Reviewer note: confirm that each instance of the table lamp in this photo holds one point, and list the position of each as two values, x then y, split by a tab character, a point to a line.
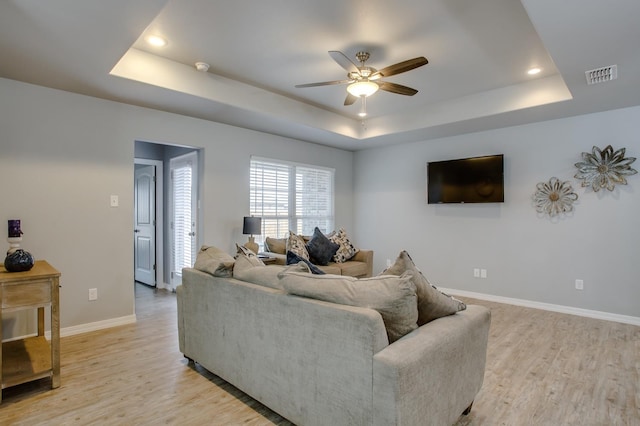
252	226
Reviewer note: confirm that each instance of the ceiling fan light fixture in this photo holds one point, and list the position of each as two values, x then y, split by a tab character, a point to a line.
363	88
363	108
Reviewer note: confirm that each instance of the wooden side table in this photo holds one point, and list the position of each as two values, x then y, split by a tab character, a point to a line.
31	358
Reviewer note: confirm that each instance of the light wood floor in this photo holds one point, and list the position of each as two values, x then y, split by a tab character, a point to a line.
543	368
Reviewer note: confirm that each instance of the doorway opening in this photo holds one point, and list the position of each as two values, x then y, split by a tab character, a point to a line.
166	209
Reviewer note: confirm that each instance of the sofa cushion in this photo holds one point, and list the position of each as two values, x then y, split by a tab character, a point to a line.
266	275
276	245
214	261
353	268
393	297
432	303
293	258
332	268
297	245
320	248
346	250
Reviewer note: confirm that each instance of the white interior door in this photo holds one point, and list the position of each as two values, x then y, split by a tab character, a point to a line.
184	209
145	224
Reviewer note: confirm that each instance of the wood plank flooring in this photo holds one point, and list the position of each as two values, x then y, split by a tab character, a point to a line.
543	368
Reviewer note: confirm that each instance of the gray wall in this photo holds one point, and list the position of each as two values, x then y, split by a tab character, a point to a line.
527	256
61	157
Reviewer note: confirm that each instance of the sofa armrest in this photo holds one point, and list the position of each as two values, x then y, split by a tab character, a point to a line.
433	372
365	256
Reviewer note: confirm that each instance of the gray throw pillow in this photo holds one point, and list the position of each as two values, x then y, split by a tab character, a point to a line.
432	303
393	297
214	261
293	259
321	249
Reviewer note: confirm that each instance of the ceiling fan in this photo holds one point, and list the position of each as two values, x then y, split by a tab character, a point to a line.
365	80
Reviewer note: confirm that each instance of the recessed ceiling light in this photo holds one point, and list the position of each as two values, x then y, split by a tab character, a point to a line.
156	41
534	71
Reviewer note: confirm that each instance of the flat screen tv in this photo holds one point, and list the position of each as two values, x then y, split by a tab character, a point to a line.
466	180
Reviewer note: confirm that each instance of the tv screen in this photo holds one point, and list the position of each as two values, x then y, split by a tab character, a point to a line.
466	180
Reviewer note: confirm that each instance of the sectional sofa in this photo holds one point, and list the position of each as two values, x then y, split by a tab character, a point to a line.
320	363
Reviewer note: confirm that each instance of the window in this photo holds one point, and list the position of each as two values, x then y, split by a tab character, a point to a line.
290	196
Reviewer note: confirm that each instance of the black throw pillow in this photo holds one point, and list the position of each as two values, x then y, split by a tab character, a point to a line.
321	249
293	258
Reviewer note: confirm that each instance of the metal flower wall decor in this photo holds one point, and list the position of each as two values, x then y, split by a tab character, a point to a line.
554	197
604	168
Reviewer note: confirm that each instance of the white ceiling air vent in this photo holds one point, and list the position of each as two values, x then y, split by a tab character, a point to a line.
600	75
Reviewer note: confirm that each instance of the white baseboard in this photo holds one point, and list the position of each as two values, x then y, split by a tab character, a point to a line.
94	326
607	316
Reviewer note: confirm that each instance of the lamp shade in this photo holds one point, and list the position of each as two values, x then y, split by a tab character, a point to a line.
363	88
252	225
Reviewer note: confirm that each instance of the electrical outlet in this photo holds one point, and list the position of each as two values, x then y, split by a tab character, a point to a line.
579	285
476	272
93	294
483	273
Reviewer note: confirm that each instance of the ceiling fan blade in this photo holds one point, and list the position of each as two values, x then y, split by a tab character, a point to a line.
344	61
323	83
397	88
404	66
350	99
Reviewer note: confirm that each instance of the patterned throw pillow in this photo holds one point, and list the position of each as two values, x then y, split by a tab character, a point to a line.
296	245
432	303
250	256
321	249
346	250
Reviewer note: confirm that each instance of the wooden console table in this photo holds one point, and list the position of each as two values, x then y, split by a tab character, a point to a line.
32	358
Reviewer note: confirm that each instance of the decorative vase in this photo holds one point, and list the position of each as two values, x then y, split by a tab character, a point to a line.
18	261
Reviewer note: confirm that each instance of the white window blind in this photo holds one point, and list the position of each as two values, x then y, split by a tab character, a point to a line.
182	221
291	196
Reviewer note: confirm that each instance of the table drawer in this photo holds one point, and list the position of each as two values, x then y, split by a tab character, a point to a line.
26	294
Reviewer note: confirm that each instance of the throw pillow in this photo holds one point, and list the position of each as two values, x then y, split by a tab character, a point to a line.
320	248
276	245
432	303
214	261
346	250
296	244
393	297
293	259
250	256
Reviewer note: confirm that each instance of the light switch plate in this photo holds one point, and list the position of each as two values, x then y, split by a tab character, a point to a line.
114	201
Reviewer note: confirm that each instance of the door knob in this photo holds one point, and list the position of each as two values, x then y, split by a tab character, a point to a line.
136	230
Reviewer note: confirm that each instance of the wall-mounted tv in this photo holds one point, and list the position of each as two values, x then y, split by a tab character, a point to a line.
466	180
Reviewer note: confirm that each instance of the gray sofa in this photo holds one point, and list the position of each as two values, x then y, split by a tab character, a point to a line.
320	363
